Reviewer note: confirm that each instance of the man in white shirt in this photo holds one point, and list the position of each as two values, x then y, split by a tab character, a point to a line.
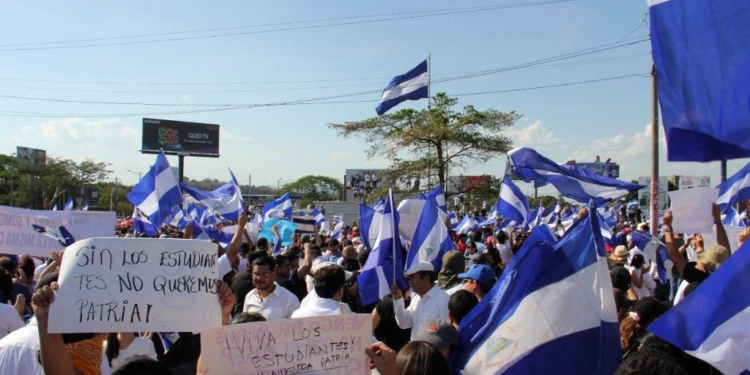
268	298
328	290
430	302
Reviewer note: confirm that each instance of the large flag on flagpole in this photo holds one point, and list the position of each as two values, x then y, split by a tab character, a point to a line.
157	192
550	312
713	322
385	263
413	85
571	181
700	49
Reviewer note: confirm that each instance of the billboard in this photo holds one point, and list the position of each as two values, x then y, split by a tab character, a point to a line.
644	195
465	184
31	156
180	138
611	170
689	182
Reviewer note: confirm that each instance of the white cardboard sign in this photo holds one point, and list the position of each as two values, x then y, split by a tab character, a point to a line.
692	209
137	285
17	236
332	344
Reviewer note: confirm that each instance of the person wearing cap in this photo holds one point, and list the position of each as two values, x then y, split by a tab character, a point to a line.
454	263
479	280
440	333
619	274
429	302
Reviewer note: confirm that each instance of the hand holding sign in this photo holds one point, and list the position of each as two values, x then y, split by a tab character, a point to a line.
137	284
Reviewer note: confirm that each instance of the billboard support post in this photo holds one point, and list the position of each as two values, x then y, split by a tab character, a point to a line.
181	166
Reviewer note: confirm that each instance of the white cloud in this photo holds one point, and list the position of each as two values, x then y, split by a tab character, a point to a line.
535	136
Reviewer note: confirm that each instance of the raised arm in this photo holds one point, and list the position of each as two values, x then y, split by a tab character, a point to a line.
678	260
234	246
721	234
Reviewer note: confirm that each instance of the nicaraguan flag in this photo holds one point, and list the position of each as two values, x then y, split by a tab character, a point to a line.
431	239
319	217
280	208
438	195
199	232
379	205
85	208
385	263
369	224
702	59
54	208
713	322
512	204
157	192
550	312
337	229
732	218
654	250
142	224
68	205
453	217
60	234
413	85
226	200
735	189
467	224
549	212
572	182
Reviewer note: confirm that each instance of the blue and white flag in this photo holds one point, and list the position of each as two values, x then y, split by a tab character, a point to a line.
85	208
54	208
413	85
280	208
69	204
379	205
732	218
385	263
320	219
632	205
549	213
654	251
467	224
177	218
369	225
61	234
712	322
701	56
157	192
735	189
576	183
552	296
431	239
226	200
512	204
438	195
199	233
305	222
453	217
142	224
337	229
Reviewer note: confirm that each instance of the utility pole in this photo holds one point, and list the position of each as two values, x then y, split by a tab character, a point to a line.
654	225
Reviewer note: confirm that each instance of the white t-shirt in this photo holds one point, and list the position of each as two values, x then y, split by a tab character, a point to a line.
279	304
139	346
505	252
648	283
9	320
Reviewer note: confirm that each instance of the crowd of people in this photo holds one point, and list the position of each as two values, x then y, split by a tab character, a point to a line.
415	330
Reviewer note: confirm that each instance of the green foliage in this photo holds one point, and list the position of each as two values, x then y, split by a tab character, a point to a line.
433	142
314	189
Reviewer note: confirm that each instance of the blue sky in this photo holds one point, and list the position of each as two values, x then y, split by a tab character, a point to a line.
609	118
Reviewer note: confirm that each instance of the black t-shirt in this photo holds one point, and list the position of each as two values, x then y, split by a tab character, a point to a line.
388	330
620	277
242	284
284	282
691	274
299	286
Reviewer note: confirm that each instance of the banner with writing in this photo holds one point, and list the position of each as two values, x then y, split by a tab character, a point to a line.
18	236
137	285
332	344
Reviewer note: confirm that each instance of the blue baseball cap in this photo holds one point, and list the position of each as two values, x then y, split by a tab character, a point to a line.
481	273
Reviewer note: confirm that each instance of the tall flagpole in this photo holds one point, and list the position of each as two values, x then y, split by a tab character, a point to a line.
429	117
654	225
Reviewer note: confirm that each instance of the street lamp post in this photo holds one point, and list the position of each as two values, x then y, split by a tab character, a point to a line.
278	184
139	174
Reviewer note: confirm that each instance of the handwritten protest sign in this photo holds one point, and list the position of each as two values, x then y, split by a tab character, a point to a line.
692	209
17	236
321	345
137	284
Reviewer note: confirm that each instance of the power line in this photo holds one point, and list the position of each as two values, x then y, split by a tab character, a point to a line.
307	102
309	27
245	26
540	67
